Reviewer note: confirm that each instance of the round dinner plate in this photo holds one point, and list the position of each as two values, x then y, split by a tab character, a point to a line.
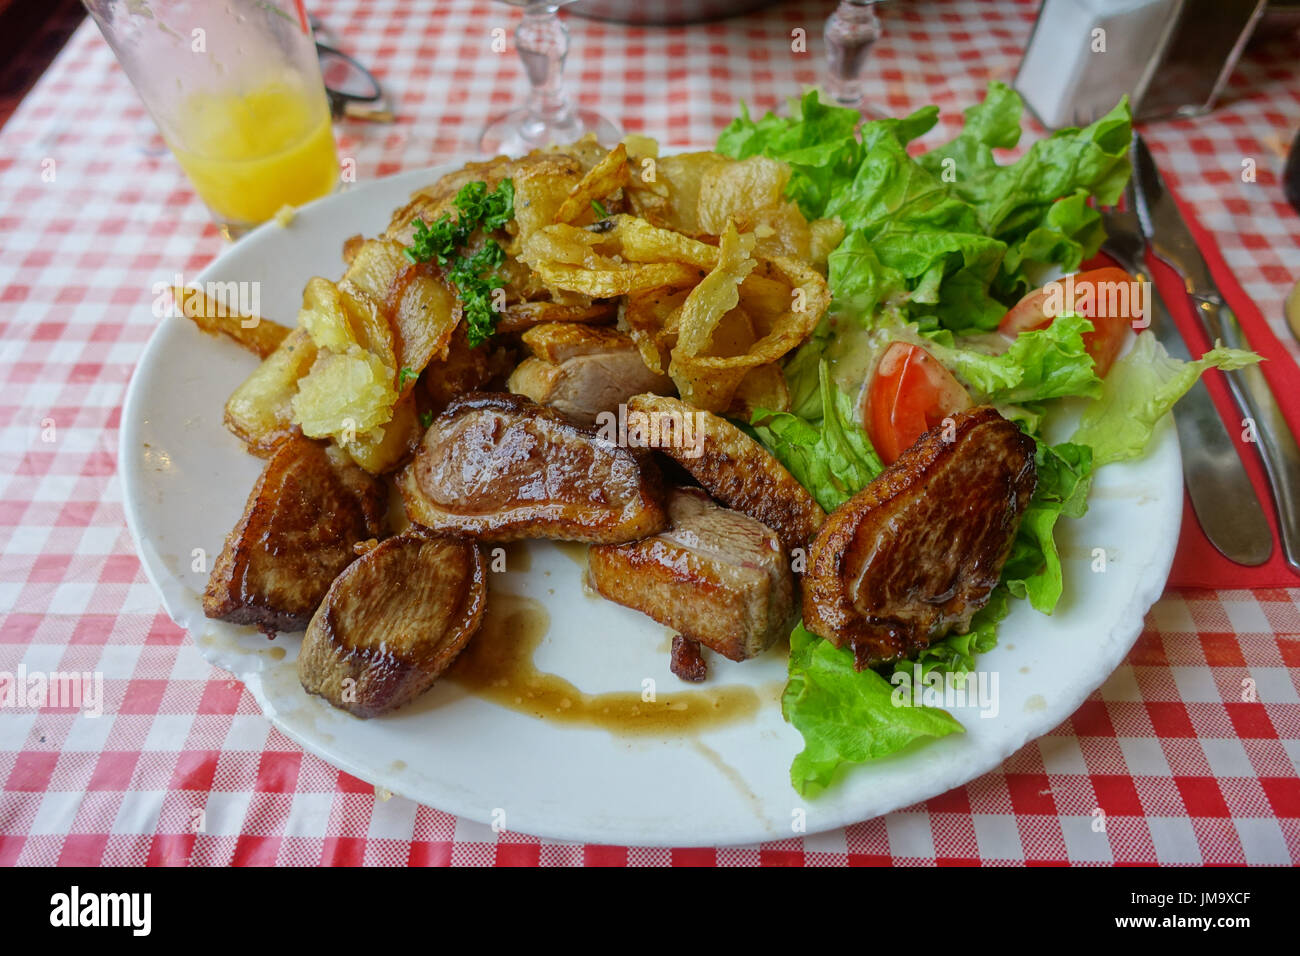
186	480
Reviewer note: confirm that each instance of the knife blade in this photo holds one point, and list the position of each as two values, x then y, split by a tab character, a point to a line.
1211	466
1171	240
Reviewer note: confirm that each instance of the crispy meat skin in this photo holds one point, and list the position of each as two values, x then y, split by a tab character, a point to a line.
499	467
393	621
686	662
716	576
303	516
738	471
582	370
918	551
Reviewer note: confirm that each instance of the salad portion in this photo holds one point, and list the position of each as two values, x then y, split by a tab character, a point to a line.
941	301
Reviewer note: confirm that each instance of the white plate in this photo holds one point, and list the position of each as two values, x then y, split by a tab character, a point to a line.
186	480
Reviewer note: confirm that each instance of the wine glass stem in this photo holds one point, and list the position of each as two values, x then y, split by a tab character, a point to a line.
543	41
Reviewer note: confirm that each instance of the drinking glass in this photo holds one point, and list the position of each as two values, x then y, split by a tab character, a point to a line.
236	91
851	31
548	116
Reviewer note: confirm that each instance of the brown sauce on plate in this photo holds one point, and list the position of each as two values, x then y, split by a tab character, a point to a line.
498	666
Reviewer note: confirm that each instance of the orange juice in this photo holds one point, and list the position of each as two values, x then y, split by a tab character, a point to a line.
248	154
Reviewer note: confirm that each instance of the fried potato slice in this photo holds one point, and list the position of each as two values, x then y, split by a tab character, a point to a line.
259	412
382	449
652	319
702	313
424	311
602	180
541	188
684	176
762	387
709	380
739	192
260	336
622	256
344	395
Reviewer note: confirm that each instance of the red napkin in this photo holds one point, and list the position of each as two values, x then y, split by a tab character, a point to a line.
1197	563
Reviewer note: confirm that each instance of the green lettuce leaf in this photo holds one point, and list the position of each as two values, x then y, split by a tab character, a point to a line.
831	456
1039	365
1033	570
846	716
951	237
956	652
1140	390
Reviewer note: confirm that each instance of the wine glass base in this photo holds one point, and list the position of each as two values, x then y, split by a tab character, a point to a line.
523	130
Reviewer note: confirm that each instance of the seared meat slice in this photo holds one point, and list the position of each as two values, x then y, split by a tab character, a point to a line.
716	576
917	552
499	467
306	511
393	622
583	370
732	467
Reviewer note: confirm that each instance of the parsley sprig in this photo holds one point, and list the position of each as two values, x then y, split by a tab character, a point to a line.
474	276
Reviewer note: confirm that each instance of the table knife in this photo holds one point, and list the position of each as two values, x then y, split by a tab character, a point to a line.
1212	468
1172	242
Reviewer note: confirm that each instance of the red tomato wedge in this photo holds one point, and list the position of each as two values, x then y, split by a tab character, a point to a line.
1108	297
910	393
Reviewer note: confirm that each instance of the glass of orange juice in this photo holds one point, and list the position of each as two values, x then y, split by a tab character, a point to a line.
235	88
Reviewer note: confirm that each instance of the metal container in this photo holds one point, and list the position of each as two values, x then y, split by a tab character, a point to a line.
1171	57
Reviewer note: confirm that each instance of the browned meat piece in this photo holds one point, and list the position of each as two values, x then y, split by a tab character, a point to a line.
716	576
917	552
393	622
732	467
308	509
499	467
583	370
523	315
462	369
686	662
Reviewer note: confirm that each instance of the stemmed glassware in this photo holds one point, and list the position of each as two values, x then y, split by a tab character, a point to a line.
548	116
851	31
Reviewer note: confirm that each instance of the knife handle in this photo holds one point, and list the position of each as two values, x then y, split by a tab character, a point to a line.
1276	443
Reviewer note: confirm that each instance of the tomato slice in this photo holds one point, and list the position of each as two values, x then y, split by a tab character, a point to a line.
910	393
1108	297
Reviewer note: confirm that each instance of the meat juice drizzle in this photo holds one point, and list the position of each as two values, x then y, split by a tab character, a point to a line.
498	666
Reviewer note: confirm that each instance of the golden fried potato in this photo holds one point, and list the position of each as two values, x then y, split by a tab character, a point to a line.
582	260
710	380
762	387
717	294
652	318
382	449
425	311
541	187
684	175
260	336
344	395
602	181
739	192
259	412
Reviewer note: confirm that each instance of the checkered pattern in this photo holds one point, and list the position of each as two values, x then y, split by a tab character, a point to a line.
1188	753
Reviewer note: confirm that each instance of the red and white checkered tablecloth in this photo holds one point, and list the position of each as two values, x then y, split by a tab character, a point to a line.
1185	769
